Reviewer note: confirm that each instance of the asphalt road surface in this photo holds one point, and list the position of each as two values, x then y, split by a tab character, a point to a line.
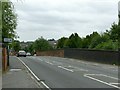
58	72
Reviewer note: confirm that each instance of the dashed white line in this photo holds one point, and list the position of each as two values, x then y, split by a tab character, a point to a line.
77	68
49	62
66	68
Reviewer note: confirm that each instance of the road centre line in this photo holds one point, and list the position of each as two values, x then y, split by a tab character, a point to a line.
49	62
78	69
39	59
33	74
66	69
88	76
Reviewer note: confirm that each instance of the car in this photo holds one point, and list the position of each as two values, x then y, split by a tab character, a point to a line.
21	53
28	54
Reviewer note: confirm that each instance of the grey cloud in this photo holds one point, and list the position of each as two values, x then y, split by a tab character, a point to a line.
61	18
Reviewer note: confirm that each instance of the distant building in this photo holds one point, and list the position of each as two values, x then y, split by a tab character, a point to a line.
25	44
53	43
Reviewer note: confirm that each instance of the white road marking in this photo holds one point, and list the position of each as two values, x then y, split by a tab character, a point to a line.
102	75
90	76
35	58
45	85
49	62
66	68
29	69
15	70
78	69
34	74
40	59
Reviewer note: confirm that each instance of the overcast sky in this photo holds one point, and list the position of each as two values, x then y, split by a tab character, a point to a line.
58	18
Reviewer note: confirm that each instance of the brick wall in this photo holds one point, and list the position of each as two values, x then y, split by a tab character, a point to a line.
57	53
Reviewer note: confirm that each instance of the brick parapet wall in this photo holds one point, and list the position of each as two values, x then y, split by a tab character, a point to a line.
57	53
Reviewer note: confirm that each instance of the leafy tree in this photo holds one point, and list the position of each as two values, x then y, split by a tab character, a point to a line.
86	41
9	20
94	39
109	45
30	48
41	44
61	42
16	45
114	32
74	41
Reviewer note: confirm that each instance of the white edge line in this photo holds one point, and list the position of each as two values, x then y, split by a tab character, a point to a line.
34	74
66	69
45	85
86	75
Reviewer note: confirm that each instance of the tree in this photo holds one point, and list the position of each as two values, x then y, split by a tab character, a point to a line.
41	44
114	32
29	48
16	45
108	45
74	41
86	41
9	20
61	42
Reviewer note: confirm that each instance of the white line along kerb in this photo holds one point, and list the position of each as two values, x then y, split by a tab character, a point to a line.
33	74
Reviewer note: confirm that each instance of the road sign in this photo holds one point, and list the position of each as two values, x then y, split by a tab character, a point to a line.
9	40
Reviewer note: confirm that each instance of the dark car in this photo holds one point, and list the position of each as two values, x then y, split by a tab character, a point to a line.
21	53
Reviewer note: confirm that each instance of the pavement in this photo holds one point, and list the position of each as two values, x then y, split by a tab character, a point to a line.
18	76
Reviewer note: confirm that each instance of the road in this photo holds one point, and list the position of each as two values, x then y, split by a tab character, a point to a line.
58	72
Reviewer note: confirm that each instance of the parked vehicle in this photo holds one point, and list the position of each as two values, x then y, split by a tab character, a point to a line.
21	53
28	54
